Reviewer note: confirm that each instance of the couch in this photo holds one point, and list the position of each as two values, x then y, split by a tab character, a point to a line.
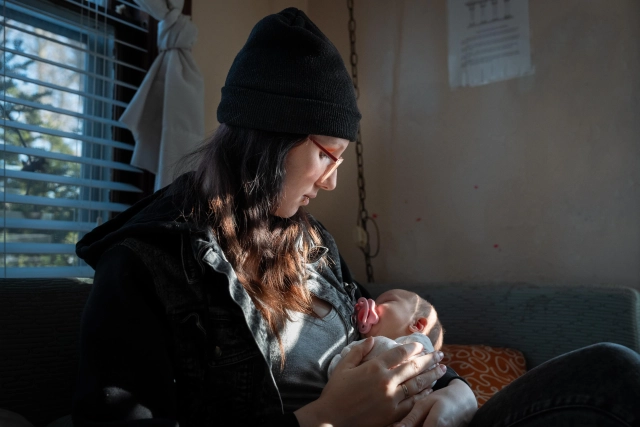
542	321
39	326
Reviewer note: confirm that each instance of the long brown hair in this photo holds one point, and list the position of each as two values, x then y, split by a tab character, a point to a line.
240	173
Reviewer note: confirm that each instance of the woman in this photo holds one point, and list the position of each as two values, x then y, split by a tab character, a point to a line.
218	298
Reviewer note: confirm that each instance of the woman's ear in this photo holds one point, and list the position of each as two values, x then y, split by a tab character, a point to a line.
419	325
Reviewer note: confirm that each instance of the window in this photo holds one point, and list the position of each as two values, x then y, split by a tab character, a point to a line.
65	78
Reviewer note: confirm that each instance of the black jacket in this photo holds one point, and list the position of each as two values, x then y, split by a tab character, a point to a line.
169	335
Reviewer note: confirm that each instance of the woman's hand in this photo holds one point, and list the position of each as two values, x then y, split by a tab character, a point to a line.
453	405
371	393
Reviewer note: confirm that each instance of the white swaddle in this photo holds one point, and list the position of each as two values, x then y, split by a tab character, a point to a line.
382	344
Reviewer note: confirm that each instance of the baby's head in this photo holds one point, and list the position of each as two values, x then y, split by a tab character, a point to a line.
403	313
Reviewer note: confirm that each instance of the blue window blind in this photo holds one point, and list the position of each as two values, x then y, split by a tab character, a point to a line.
59	72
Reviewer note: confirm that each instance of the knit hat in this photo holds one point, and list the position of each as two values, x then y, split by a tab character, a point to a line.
290	78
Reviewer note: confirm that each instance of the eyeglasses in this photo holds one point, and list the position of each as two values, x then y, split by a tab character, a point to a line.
332	167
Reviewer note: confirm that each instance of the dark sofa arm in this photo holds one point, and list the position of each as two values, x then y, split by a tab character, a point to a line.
39	331
542	321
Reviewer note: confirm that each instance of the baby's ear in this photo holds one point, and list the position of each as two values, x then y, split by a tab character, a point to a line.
419	325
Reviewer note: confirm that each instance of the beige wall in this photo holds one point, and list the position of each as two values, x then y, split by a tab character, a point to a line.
555	156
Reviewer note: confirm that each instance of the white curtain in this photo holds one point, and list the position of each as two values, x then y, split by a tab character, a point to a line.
166	116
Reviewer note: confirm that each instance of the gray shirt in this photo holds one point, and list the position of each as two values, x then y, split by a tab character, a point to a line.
310	343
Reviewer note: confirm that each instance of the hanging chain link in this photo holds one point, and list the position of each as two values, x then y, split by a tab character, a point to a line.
363	215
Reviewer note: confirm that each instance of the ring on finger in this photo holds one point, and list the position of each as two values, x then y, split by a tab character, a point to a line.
405	390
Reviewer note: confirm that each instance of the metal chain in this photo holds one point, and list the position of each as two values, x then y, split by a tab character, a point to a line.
363	215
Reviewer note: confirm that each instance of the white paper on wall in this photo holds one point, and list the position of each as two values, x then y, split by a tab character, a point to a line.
488	41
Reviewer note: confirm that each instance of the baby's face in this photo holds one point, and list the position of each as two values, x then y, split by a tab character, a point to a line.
395	308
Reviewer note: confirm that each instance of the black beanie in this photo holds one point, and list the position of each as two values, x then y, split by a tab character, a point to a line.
290	78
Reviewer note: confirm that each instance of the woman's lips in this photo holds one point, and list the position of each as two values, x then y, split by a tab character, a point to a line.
306	198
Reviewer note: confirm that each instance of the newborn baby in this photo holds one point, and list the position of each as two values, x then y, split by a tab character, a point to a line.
396	317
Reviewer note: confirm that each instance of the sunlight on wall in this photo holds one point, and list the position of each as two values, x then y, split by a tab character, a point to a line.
532	179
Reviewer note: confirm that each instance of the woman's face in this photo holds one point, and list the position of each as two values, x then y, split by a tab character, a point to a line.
304	166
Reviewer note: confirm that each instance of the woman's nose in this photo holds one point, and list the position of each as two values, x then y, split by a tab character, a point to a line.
330	182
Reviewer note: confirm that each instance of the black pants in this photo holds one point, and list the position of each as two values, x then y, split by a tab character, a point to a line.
597	385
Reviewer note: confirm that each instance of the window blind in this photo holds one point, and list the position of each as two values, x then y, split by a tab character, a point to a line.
61	69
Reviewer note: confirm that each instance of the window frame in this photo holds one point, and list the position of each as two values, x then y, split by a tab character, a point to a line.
125	55
146	180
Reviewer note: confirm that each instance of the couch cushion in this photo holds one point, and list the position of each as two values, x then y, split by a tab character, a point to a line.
486	369
542	321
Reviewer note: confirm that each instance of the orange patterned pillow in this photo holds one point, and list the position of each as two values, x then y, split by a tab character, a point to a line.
486	369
